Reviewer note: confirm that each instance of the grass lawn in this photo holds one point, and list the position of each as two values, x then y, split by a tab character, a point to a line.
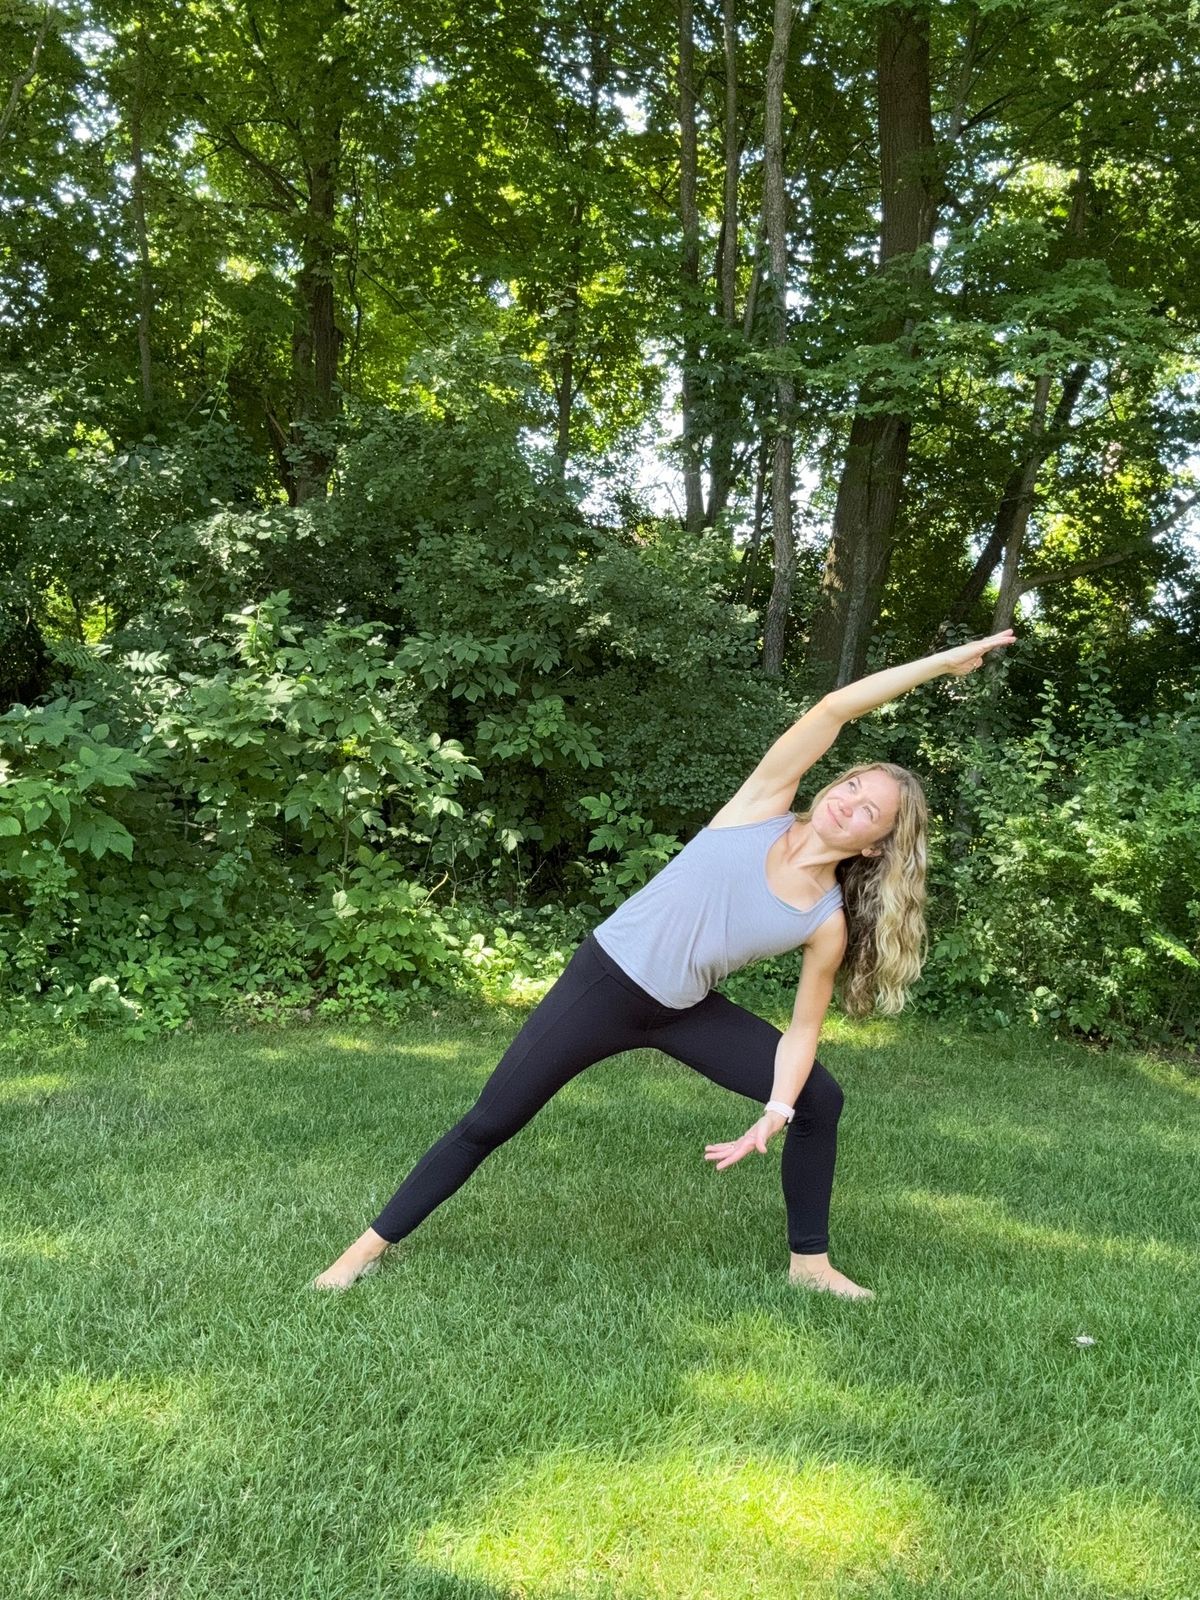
587	1375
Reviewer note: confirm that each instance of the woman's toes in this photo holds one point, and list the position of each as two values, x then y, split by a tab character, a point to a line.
342	1274
831	1282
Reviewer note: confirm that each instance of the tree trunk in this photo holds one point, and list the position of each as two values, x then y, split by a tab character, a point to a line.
750	560
775	213
565	387
280	446
316	338
569	379
724	431
564	391
25	77
729	232
1010	580
138	194
876	460
689	274
1043	443
1006	600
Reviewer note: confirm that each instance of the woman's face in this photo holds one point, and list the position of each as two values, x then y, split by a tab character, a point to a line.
858	812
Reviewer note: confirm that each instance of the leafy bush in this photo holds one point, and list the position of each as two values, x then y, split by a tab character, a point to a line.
1077	902
272	811
640	851
269	787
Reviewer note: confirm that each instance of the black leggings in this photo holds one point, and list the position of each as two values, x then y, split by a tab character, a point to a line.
595	1010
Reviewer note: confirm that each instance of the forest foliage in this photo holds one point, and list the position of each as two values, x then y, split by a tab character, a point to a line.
350	652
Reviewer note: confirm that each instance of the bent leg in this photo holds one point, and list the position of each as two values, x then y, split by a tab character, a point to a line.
584	1018
733	1047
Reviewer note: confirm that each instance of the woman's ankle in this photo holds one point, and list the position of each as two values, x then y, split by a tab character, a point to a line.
804	1261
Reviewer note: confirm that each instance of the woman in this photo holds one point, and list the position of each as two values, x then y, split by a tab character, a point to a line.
845	880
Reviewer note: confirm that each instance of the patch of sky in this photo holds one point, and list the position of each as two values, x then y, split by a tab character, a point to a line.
412	86
632	110
32	287
647	467
69	193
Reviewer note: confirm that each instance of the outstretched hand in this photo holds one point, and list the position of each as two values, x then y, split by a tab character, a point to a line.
964	658
754	1138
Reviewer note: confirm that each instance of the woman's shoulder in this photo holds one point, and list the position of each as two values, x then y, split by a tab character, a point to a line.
828	940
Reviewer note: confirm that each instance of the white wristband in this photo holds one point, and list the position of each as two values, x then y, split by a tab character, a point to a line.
786	1112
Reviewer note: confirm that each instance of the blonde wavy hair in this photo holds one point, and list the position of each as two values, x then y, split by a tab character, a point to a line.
884	899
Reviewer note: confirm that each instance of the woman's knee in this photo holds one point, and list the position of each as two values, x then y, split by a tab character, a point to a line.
486	1128
820	1104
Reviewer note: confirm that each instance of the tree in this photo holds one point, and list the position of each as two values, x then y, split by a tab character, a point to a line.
876	456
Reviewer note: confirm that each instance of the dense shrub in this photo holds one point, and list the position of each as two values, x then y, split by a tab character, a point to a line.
549	646
481	721
1077	899
260	795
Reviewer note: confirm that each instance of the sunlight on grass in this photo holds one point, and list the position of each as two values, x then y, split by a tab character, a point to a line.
33	1086
753	1376
761	1394
352	1043
1166	1075
689	1524
982	1134
875	1033
98	1405
38	1244
436	1052
991	1220
1121	1545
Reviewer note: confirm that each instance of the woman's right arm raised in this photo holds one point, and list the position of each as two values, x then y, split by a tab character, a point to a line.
771	788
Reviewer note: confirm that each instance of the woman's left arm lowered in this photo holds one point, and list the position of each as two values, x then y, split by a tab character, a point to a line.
797	1048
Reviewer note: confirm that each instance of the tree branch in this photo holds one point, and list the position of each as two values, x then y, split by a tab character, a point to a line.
292	197
1146	543
24	79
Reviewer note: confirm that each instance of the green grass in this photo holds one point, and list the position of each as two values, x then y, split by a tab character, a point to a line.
586	1375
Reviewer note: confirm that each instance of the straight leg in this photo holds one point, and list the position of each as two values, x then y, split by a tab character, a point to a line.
584	1018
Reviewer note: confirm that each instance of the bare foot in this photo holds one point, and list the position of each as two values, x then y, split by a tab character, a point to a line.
363	1256
815	1272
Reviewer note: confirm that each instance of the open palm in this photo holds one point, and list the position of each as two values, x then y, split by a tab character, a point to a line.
965	658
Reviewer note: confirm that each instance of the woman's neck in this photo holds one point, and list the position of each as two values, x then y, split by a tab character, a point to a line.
808	852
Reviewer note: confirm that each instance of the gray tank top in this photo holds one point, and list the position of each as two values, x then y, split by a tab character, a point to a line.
707	913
